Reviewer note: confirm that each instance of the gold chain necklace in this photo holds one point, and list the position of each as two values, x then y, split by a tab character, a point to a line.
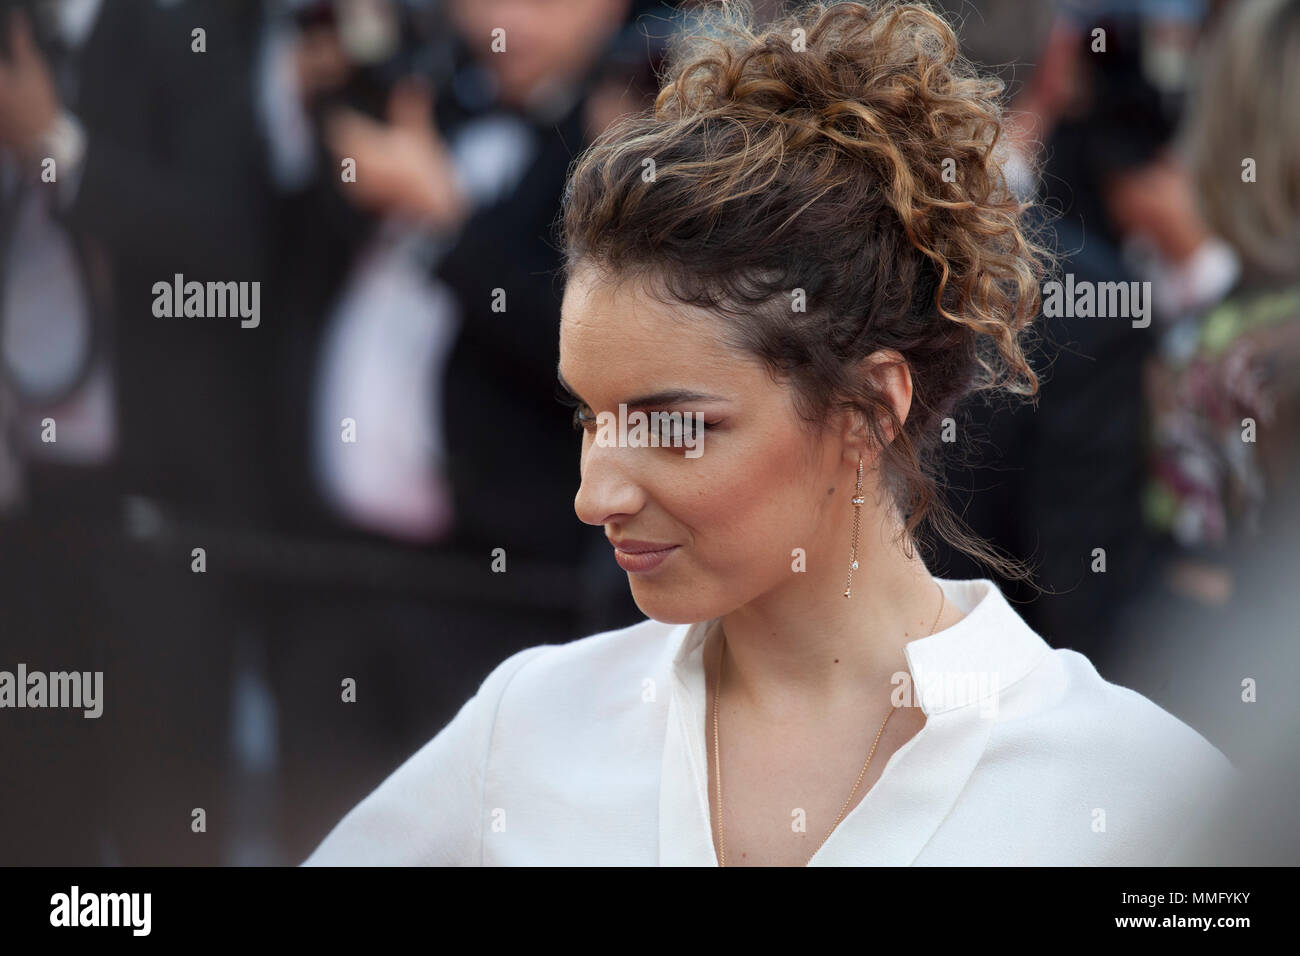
717	762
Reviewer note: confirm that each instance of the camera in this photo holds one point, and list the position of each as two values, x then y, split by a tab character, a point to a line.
384	41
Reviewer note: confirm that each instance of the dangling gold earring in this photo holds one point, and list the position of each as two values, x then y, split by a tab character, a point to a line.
909	550
858	500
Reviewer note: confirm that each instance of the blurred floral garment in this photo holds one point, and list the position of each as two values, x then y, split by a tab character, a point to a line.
1223	417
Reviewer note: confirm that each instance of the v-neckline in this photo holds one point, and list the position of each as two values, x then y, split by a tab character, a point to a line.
892	822
889	825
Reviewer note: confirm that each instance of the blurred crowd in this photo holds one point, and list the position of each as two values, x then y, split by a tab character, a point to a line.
231	521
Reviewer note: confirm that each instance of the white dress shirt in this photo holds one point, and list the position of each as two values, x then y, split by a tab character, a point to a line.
593	753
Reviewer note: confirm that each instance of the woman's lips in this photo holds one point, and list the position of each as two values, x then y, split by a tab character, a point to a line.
641	555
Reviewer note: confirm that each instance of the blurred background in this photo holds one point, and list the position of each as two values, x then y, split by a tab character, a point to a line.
335	464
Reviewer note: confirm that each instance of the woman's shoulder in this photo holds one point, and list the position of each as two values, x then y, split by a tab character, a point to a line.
1075	769
530	714
1073	716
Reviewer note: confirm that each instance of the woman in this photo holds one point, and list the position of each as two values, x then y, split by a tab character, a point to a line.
807	252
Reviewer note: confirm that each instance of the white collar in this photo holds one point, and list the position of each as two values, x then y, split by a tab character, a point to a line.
921	780
991	639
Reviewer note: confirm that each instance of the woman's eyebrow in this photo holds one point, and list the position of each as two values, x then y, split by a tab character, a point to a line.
668	396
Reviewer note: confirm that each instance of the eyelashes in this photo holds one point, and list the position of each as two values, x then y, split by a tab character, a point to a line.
580	421
584	420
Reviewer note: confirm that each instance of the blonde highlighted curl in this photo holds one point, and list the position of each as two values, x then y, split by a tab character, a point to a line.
848	151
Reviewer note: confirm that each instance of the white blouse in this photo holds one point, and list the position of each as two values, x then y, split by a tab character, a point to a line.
593	753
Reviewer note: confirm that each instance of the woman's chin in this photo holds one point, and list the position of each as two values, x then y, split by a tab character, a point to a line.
668	607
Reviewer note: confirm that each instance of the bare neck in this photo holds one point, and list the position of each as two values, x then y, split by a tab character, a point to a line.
805	651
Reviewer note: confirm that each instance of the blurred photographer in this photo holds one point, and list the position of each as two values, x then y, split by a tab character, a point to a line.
459	137
130	156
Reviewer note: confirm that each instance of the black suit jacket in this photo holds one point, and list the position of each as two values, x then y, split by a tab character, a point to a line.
174	181
1051	484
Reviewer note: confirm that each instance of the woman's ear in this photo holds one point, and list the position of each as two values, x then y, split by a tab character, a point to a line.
892	378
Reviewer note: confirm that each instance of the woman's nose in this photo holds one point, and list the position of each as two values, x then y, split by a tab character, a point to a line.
609	489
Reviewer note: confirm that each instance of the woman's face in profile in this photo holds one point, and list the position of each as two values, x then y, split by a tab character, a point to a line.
758	488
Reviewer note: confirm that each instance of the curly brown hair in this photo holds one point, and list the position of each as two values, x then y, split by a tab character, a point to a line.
849	151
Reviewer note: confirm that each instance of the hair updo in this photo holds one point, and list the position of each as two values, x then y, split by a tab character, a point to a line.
848	151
